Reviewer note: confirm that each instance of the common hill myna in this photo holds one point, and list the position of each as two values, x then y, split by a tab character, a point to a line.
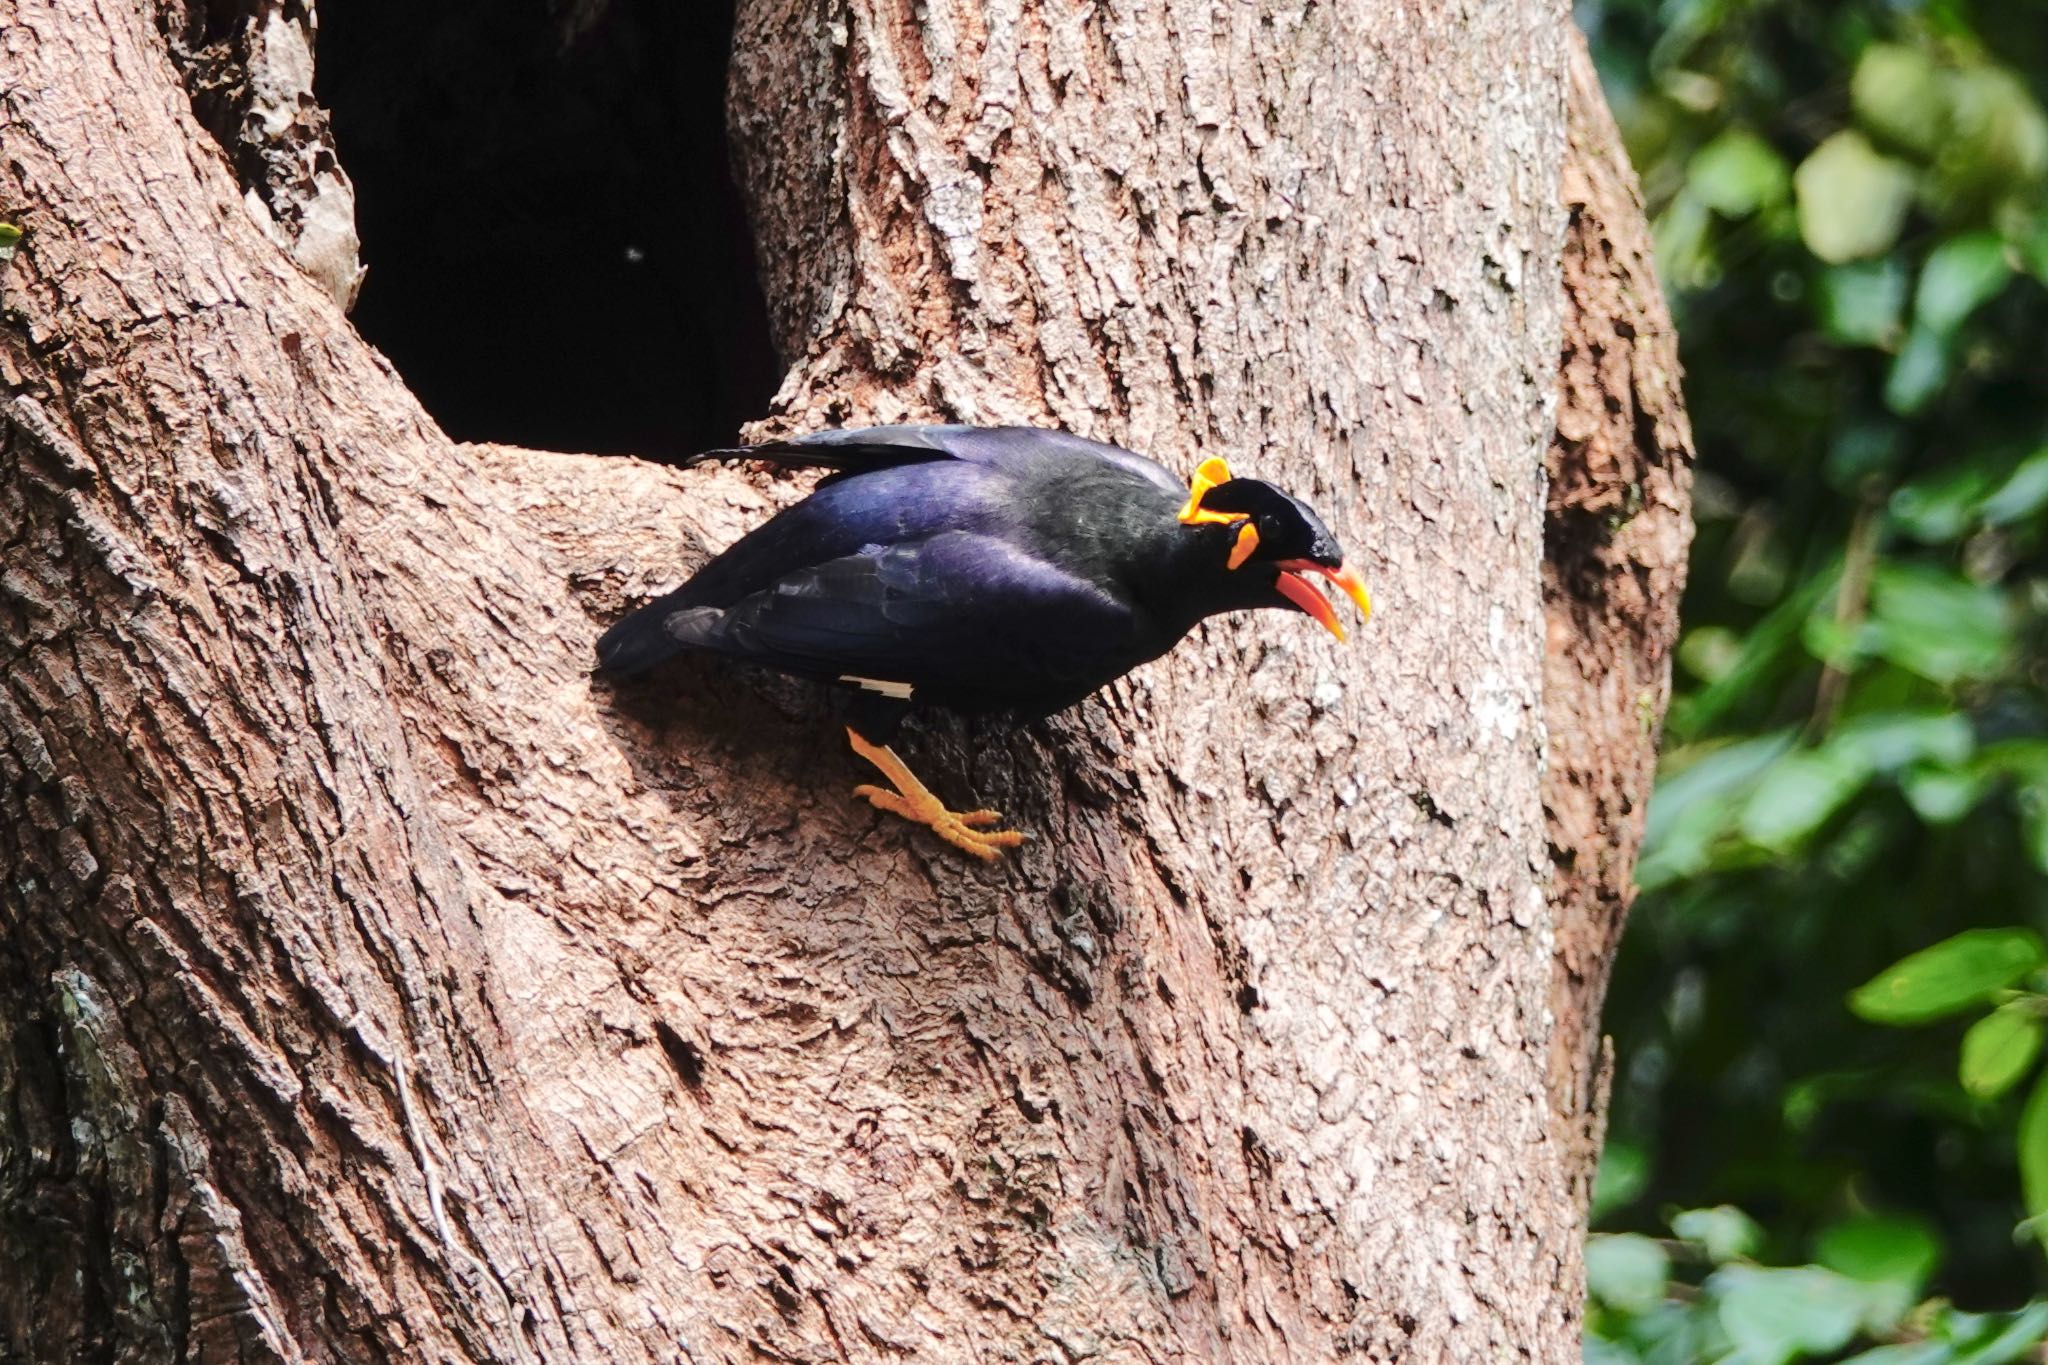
983	569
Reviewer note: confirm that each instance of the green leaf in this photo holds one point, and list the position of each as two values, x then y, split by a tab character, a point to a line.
1838	644
2032	1140
1692	808
2032	800
1897	94
2033	247
2010	1340
1998	135
1626	1271
1903	1353
1768	651
1778	1314
1880	1248
1937	624
1738	173
1682	240
2025	761
1709	652
1952	975
1623	1173
1599	1350
1797	795
1886	741
1852	200
1918	371
1941	507
2022	494
1998	1049
1960	275
1861	302
1941	796
10	238
1725	1232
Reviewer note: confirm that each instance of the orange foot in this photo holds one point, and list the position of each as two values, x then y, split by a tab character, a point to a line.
964	830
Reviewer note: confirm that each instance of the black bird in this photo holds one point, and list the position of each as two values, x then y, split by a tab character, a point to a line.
982	569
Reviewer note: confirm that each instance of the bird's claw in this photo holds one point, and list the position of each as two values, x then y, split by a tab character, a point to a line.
962	829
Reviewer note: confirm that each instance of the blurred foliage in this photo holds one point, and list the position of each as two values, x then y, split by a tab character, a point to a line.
1696	1296
1830	996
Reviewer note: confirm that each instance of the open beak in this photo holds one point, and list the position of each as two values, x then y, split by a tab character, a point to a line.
1297	589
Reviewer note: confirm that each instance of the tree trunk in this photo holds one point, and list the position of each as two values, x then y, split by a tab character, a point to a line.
376	984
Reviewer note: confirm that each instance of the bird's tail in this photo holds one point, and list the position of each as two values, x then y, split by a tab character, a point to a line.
640	640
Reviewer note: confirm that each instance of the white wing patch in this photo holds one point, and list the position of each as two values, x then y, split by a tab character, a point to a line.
899	690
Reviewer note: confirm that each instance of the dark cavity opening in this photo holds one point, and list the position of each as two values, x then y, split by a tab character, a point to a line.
558	256
682	1054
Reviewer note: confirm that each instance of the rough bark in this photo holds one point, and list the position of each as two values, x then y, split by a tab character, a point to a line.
1616	536
376	985
248	65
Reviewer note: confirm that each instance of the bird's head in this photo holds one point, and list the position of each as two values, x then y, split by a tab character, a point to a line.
1274	541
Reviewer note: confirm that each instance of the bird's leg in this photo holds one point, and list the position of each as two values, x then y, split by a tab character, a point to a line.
914	802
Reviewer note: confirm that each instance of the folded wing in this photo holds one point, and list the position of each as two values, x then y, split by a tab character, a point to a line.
855	449
957	617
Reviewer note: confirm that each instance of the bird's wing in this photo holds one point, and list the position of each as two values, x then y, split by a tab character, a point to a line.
847	449
957	613
857	449
847	514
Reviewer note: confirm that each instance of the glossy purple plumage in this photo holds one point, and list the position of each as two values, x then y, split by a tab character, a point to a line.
972	568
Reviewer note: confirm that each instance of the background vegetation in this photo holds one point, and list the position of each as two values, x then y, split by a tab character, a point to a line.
1830	1122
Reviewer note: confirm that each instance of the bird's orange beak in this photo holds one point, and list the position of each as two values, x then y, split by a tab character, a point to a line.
1297	589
